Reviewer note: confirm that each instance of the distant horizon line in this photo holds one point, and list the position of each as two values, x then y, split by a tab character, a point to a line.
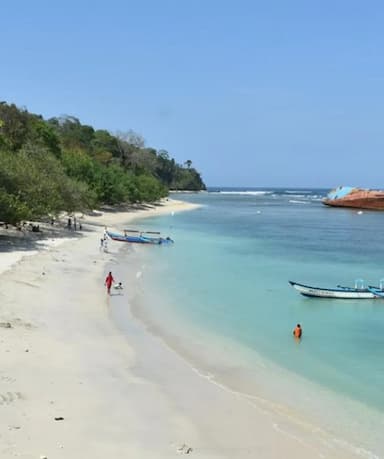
270	187
300	187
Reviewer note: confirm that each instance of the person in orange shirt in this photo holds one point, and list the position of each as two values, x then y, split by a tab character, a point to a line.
298	331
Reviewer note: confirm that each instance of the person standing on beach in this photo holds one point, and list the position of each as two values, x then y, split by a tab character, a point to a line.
109	280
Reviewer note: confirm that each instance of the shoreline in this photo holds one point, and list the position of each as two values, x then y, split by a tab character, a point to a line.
119	394
61	356
15	244
299	404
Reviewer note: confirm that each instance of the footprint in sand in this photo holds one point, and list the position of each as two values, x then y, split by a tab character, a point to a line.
9	397
7	379
184	449
22	323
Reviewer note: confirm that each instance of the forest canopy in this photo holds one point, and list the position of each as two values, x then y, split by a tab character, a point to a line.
55	165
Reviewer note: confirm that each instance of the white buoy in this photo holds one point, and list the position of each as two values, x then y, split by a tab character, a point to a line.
360	212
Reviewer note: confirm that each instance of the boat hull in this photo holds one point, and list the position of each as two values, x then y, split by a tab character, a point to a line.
347	293
138	239
370	203
356	198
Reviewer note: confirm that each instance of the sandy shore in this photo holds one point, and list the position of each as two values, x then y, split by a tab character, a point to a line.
75	385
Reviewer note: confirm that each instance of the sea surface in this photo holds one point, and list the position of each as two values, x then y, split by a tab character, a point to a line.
220	296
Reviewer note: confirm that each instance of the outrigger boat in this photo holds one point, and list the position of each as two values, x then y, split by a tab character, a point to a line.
139	237
358	292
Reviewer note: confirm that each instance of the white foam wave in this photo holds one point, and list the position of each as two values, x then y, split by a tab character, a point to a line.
299	196
298	202
250	193
299	192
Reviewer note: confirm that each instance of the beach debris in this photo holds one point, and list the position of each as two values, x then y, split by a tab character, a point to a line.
43	457
59	418
184	449
17	321
5	325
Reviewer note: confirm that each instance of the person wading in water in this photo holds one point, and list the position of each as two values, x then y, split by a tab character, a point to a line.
298	331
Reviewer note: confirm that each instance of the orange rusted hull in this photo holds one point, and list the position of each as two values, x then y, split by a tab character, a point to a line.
359	199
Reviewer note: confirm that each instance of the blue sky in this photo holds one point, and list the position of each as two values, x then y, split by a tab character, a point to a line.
255	93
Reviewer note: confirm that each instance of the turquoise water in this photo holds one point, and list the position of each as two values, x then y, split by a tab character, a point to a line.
228	273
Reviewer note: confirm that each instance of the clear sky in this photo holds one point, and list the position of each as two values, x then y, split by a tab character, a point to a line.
255	93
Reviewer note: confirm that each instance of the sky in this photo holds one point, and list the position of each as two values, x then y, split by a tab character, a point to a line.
255	93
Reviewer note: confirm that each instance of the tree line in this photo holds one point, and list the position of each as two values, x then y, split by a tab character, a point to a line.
55	165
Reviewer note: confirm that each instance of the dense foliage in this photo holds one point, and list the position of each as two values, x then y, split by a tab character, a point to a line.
55	165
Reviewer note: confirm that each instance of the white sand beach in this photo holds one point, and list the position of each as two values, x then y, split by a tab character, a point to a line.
72	385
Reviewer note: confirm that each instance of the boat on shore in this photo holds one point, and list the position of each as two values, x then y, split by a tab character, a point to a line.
139	237
359	198
359	291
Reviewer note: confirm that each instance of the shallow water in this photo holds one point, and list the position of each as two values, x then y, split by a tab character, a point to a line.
223	285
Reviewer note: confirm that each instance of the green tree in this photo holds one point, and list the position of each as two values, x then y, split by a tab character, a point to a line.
12	209
14	126
60	164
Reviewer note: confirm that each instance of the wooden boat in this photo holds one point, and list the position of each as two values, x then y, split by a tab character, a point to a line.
139	237
345	196
358	292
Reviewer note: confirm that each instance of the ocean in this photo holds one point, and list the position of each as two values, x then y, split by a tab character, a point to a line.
220	296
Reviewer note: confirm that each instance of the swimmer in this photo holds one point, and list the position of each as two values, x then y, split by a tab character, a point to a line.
298	331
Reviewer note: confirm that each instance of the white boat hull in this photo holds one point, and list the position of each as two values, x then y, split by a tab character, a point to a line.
340	292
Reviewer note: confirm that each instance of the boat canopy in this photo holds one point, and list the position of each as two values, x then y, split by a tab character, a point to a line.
340	192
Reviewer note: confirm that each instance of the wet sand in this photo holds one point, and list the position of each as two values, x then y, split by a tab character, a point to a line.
74	384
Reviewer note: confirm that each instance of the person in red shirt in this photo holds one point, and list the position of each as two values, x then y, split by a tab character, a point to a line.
109	281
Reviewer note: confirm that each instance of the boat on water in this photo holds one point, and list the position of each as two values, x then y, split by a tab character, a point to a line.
359	198
139	237
359	291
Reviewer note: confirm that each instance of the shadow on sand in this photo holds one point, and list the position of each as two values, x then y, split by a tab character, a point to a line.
13	239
